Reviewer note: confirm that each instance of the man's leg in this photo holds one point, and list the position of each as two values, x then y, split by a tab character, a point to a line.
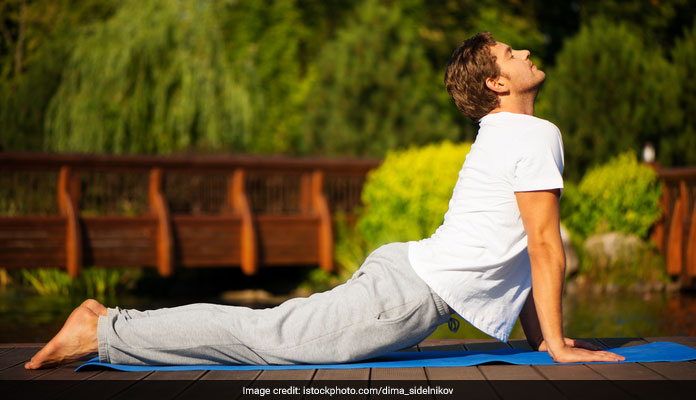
384	307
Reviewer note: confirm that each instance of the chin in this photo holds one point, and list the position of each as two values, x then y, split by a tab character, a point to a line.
542	77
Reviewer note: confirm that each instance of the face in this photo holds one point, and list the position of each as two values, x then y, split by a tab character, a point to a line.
517	71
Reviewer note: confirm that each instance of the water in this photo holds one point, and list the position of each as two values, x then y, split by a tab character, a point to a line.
621	314
26	317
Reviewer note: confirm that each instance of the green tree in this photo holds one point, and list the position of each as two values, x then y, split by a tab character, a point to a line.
36	39
660	21
608	93
154	78
264	40
679	148
374	88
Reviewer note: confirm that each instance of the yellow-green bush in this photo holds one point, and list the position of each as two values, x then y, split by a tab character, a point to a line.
621	195
408	195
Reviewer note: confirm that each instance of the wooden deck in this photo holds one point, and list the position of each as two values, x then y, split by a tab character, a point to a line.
494	381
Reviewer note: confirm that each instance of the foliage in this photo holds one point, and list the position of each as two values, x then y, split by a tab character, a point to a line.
264	40
408	195
152	78
621	195
92	282
661	21
36	39
47	281
607	94
332	77
374	89
679	149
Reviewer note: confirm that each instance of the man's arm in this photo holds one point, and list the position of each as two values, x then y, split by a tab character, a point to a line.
540	216
530	323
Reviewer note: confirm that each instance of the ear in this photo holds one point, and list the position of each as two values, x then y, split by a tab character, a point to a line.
496	85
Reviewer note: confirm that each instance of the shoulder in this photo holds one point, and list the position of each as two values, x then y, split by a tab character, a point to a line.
520	125
534	135
541	130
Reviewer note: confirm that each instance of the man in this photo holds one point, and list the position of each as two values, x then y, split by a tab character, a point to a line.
499	238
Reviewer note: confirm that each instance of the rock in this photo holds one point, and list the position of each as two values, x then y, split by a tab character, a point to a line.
571	256
253	297
610	249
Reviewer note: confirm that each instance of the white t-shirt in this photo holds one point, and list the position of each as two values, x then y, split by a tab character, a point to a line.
477	260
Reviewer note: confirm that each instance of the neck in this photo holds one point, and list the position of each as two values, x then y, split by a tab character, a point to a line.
519	104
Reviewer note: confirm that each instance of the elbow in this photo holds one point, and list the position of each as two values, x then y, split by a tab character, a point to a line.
546	251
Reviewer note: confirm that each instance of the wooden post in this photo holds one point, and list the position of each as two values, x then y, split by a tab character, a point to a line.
68	200
321	207
306	206
240	203
685	202
165	238
691	244
674	239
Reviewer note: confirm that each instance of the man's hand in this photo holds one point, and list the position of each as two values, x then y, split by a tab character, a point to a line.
580	351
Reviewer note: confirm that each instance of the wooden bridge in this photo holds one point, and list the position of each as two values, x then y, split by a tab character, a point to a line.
675	232
169	212
192	211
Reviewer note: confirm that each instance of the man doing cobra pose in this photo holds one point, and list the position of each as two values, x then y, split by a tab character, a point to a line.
500	238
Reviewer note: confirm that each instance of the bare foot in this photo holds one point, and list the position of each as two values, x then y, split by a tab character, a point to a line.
77	338
96	307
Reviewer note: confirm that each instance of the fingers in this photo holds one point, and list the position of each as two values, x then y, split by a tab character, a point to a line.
575	354
608	356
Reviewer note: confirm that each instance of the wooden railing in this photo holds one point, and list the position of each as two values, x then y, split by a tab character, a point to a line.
675	232
170	212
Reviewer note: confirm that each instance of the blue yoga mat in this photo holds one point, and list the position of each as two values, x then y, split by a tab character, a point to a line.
651	352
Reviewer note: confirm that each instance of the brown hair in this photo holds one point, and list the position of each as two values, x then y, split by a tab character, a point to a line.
465	78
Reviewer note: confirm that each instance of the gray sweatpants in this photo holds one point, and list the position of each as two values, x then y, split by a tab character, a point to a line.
383	307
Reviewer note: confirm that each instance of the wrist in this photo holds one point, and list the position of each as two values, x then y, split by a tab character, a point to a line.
554	344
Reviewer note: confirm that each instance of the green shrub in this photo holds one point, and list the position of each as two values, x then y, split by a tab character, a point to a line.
408	195
621	195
